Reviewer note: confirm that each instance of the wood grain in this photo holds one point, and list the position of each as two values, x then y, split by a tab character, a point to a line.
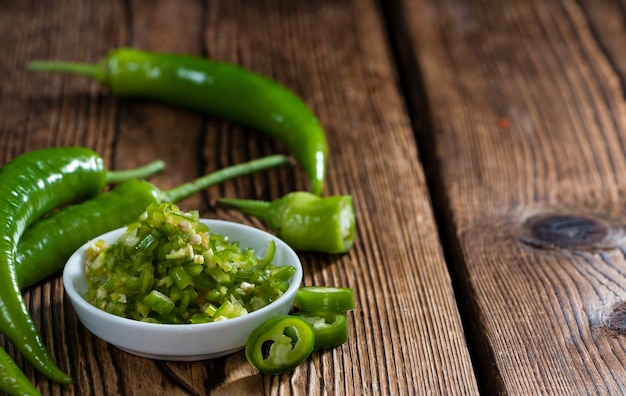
527	119
406	335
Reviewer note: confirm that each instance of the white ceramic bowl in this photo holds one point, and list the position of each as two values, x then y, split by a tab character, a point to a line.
185	342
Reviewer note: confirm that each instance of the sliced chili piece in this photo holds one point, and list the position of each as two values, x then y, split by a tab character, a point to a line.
324	299
330	328
280	344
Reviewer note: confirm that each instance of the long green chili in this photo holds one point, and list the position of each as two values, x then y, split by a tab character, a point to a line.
31	185
217	88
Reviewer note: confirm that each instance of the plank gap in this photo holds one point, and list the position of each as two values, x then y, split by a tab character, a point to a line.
416	99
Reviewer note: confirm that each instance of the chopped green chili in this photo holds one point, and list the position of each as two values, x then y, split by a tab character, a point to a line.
169	268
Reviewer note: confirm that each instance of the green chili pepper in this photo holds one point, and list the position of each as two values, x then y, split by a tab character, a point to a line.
220	89
330	328
305	221
280	344
12	379
324	298
47	244
31	185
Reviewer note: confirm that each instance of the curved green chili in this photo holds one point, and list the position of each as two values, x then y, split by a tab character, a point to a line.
305	221
47	244
220	89
31	185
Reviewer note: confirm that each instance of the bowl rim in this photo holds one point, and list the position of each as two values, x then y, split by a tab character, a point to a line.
73	264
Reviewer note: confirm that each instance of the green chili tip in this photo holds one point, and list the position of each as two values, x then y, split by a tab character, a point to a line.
14	381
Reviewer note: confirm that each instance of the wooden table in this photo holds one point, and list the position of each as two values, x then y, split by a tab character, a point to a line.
483	143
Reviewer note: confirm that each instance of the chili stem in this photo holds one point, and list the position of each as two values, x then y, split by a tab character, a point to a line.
150	169
186	190
252	207
85	69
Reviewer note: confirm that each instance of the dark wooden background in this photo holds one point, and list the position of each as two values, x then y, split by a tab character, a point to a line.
483	142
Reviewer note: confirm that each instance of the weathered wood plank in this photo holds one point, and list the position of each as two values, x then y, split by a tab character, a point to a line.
607	25
527	119
406	336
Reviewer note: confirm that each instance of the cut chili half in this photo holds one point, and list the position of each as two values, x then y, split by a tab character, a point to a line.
280	344
324	299
330	328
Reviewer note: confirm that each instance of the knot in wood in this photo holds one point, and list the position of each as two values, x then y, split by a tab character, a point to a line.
569	230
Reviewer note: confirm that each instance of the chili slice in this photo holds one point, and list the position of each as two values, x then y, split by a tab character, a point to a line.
330	328
324	299
280	344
